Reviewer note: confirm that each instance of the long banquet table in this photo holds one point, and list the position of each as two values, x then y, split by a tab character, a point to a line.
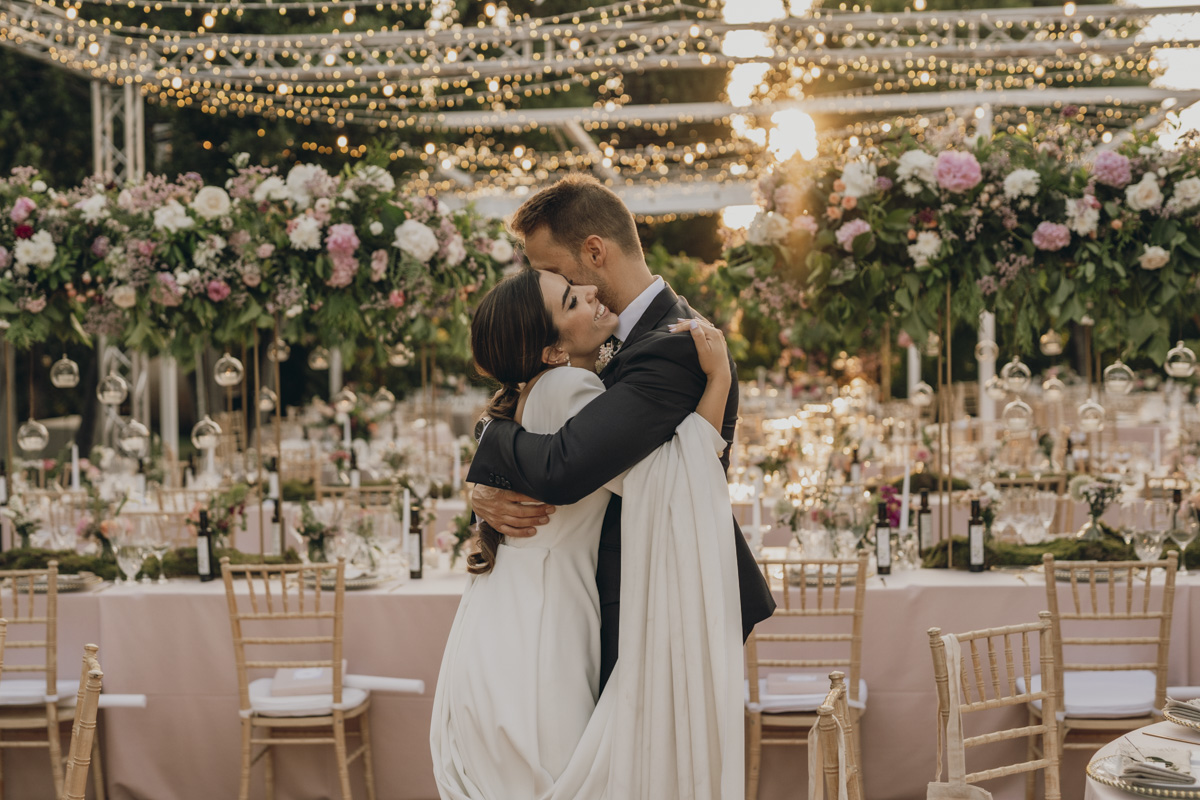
173	644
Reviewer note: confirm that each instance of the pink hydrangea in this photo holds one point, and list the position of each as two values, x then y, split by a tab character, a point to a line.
341	238
789	200
379	264
22	209
1051	236
1112	169
957	171
846	234
218	290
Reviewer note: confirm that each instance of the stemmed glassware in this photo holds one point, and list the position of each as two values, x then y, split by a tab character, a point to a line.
130	557
1187	525
1148	543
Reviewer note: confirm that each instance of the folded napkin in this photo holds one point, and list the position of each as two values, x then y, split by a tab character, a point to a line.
1184	709
1156	766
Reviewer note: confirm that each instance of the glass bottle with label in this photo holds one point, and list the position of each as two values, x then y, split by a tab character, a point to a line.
975	537
206	557
924	523
416	541
883	542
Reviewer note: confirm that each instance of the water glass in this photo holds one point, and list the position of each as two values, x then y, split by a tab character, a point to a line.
130	558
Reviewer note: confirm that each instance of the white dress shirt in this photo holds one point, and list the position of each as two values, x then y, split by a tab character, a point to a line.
634	311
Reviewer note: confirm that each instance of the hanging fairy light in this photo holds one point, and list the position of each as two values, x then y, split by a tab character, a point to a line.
1118	378
1181	361
112	390
1053	390
1017	416
318	358
278	351
133	439
267	399
400	355
1091	416
382	402
228	371
32	437
206	434
1016	375
986	350
344	401
64	374
995	388
1051	343
922	395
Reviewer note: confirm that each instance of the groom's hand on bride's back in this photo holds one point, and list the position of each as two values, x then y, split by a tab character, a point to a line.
508	512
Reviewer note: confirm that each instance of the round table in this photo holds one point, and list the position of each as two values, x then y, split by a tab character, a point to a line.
1147	736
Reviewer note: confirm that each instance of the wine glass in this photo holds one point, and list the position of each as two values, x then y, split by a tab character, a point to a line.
160	541
421	483
1187	525
130	558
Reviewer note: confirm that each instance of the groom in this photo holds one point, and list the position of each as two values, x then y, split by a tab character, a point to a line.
582	231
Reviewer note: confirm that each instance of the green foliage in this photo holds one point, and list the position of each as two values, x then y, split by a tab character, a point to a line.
179	563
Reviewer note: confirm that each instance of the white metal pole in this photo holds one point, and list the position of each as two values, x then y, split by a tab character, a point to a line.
914	369
97	130
168	413
335	371
987	368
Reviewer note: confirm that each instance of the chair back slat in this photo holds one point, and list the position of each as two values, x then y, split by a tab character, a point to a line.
999	687
814	589
1128	601
834	713
278	595
40	629
83	732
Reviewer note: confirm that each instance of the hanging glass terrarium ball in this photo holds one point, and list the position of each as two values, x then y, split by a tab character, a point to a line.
228	371
1016	375
382	402
399	355
1091	417
133	439
922	395
986	350
933	344
206	434
1181	361
344	400
32	437
1051	343
994	388
1053	390
1018	416
64	374
1118	378
278	351
113	390
267	399
318	358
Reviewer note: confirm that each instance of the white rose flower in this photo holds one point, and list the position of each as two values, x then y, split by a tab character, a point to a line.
272	188
211	202
38	186
172	217
323	205
350	196
1082	217
241	160
502	250
305	234
1022	183
926	246
124	296
183	278
1144	194
456	251
1154	257
293	311
1186	196
94	208
375	228
768	228
416	239
917	166
377	177
859	178
37	251
306	182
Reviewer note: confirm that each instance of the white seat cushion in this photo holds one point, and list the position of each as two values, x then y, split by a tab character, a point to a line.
1100	695
805	699
32	692
308	705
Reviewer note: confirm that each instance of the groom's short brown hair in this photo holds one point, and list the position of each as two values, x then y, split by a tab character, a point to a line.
577	207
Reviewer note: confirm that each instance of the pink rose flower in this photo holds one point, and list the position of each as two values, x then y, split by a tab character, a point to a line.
396	298
265	250
845	235
1051	236
379	263
22	209
957	171
1112	169
218	290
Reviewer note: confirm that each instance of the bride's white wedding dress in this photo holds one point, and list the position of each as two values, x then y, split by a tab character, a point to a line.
515	712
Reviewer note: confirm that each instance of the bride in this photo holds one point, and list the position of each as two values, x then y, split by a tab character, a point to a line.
515	712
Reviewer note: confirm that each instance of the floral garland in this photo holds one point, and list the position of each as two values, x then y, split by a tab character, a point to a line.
1042	228
167	265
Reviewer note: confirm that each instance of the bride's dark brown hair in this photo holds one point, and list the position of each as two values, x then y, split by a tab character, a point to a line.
511	328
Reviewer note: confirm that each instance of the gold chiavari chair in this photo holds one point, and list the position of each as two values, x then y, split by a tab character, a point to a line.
825	594
30	707
984	670
1105	696
83	733
833	763
292	595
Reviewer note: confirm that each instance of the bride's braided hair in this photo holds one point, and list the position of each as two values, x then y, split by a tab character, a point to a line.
511	328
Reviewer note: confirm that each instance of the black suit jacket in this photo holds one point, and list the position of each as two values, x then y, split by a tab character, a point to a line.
652	384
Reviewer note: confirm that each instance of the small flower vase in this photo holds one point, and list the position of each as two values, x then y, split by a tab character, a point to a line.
1091	530
316	550
24	539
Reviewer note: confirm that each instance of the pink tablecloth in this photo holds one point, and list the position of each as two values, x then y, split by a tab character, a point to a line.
173	644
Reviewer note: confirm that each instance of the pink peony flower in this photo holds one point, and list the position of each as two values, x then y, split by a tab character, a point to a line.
379	264
957	171
1051	236
341	239
845	235
1112	169
22	209
396	298
218	290
344	270
265	250
789	200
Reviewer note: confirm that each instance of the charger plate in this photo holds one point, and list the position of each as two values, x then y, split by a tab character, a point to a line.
849	576
1187	723
364	582
1108	772
69	583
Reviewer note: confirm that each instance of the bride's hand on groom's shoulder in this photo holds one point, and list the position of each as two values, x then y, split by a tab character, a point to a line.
508	512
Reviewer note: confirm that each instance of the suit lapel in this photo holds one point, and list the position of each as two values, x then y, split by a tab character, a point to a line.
659	306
